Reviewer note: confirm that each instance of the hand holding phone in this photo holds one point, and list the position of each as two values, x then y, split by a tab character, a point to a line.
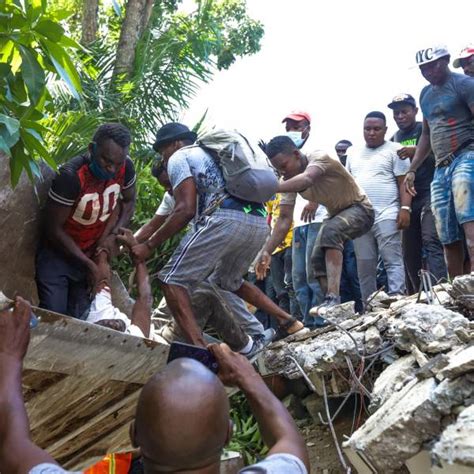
180	349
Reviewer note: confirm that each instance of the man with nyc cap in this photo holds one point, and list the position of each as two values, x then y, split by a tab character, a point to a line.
447	103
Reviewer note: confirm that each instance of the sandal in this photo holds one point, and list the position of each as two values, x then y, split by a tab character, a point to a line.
291	327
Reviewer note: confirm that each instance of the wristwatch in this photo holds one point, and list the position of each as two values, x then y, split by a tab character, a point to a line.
406	208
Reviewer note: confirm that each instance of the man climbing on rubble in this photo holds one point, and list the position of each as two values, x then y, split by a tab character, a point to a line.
225	236
421	245
447	104
182	419
379	171
213	307
91	197
320	178
306	218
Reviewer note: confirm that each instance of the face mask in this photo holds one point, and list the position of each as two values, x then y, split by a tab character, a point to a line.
97	170
297	138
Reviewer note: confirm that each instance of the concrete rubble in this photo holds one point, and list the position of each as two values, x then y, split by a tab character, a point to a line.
412	361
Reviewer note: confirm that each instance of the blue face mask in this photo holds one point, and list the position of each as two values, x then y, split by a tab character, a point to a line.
97	170
297	138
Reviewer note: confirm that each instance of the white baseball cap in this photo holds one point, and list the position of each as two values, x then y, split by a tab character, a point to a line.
465	53
428	55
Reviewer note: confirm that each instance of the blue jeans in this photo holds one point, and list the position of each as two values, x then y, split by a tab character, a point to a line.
452	197
350	288
281	275
307	289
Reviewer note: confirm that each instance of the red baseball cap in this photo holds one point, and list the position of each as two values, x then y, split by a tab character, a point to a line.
297	116
465	53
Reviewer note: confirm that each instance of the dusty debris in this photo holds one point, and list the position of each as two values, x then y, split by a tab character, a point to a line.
392	379
397	430
461	362
456	444
430	327
412	360
463	291
452	393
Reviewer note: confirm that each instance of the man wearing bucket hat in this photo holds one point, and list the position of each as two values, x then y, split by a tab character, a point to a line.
225	236
447	104
465	60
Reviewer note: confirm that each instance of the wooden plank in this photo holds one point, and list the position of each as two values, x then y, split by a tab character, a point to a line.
86	435
71	416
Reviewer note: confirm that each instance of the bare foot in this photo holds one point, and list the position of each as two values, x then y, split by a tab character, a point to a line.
127	238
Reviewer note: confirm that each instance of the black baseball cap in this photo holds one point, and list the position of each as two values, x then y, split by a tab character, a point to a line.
171	132
402	99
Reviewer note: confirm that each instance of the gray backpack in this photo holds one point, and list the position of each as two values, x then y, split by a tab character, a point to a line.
247	172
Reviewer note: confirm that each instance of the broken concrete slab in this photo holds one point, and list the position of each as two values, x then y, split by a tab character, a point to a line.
463	291
397	430
452	393
460	363
373	339
430	327
341	312
456	444
391	379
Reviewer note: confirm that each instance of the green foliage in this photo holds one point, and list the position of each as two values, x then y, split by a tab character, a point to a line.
33	50
246	438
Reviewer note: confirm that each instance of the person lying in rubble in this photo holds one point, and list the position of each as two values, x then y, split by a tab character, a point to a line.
102	310
217	309
182	421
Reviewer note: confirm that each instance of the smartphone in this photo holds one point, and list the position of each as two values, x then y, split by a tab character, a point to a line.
180	349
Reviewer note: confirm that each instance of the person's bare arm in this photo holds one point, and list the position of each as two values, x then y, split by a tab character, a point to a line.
184	210
423	149
148	229
120	217
56	216
279	232
141	313
403	219
18	454
277	427
301	181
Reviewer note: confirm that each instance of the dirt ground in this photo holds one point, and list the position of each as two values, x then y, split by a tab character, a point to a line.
320	444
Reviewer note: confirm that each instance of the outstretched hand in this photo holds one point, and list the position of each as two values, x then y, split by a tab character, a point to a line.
308	213
263	265
15	329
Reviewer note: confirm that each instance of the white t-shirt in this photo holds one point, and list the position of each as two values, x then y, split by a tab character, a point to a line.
274	464
166	205
375	171
300	203
194	162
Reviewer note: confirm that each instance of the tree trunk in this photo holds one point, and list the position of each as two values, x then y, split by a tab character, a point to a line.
89	21
146	16
129	36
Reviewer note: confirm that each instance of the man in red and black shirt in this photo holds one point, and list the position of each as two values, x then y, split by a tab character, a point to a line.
91	197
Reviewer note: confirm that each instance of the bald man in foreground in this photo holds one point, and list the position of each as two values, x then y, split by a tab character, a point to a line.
182	420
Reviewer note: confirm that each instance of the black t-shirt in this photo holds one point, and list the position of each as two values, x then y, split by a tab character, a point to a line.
424	174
